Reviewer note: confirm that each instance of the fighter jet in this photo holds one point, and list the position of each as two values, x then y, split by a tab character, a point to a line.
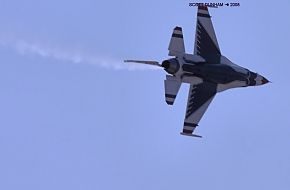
206	70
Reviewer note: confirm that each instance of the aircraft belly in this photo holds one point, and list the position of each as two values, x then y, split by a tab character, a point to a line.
224	79
233	84
220	74
192	80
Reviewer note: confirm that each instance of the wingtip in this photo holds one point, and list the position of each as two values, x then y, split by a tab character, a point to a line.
203	8
178	28
190	135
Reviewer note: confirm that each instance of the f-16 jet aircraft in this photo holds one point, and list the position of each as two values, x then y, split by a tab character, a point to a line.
206	70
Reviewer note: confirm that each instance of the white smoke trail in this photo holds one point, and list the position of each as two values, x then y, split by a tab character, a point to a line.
73	56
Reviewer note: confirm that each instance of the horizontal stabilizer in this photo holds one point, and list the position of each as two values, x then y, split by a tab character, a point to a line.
172	86
176	45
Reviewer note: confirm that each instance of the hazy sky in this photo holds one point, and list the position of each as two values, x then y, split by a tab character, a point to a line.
74	116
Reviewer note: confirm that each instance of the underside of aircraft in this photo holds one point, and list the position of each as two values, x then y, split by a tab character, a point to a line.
206	70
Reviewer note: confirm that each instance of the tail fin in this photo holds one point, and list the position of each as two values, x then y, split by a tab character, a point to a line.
176	45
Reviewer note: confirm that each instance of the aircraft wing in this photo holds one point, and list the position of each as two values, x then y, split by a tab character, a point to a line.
199	98
206	44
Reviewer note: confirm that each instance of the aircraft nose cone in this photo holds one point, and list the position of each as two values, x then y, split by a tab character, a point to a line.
264	80
259	80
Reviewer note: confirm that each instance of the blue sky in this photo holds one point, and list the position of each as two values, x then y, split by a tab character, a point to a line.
73	116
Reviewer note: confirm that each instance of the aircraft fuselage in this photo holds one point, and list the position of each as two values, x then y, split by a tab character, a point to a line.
216	73
189	68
